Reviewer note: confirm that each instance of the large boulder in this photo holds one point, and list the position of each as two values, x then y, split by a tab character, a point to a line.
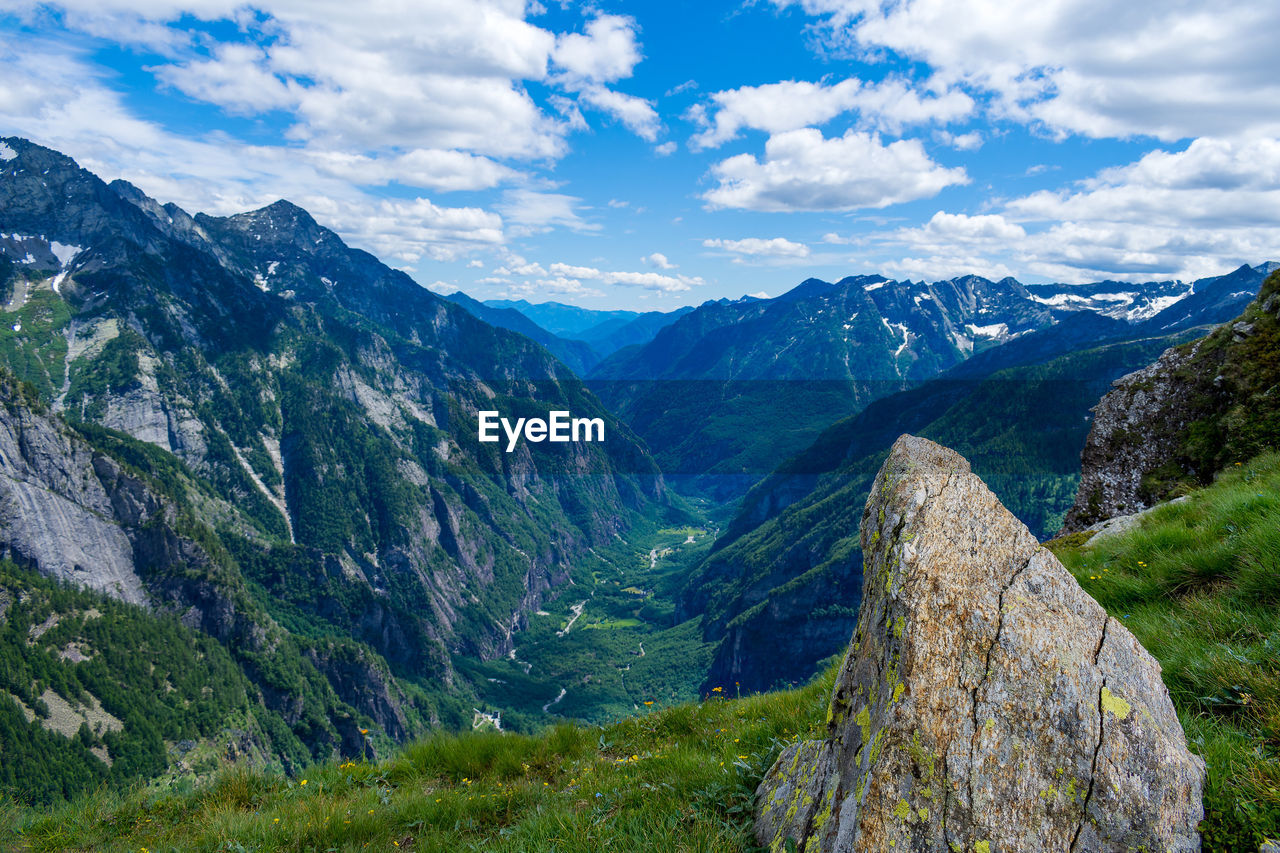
987	703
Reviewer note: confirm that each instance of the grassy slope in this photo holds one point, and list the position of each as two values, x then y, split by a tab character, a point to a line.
680	779
1198	583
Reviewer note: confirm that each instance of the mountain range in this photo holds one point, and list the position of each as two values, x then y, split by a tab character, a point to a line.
307	415
240	436
724	392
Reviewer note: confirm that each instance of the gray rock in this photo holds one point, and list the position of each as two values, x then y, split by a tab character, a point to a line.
55	512
986	703
1122	523
1128	440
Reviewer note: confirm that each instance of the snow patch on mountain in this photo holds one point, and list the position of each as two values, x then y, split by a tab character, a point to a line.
995	330
65	253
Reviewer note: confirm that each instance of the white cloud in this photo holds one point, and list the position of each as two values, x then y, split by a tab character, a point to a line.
1183	214
518	266
58	101
1212	183
411	230
607	51
777	247
790	105
666	149
637	114
647	280
558	286
534	212
950	265
658	261
475	264
804	171
432	168
961	142
238	78
958	226
1097	69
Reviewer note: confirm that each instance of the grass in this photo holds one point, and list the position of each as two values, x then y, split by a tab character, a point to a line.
679	779
1198	583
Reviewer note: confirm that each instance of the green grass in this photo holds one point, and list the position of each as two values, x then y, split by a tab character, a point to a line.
1198	583
679	779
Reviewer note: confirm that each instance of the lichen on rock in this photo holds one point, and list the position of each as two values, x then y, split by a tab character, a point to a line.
987	702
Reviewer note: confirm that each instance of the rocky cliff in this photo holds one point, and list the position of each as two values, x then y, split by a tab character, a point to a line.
1199	408
986	703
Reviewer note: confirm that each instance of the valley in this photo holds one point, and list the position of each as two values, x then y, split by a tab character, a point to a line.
609	646
267	505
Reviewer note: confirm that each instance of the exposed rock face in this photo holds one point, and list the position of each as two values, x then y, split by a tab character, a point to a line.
1199	408
987	703
1124	444
58	504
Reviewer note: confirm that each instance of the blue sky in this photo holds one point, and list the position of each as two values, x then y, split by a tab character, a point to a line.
649	155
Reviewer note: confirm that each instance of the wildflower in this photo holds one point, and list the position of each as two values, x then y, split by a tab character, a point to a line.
717	689
277	820
303	782
649	702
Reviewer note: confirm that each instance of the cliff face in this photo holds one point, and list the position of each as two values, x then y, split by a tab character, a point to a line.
64	509
1199	408
986	703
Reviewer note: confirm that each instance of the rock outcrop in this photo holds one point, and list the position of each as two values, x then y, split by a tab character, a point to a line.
1137	427
987	703
1178	422
59	503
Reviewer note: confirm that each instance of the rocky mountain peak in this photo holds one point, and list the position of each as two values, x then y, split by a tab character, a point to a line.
986	702
45	193
283	224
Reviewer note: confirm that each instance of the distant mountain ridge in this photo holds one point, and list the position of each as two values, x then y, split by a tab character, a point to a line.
604	331
852	342
579	356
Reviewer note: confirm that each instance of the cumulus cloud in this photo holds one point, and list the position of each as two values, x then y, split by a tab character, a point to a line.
790	105
802	170
777	247
636	114
1184	214
605	52
658	261
411	230
1077	66
646	280
558	286
534	212
58	101
431	168
961	142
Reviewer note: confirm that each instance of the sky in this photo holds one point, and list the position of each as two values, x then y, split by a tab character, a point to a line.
657	154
